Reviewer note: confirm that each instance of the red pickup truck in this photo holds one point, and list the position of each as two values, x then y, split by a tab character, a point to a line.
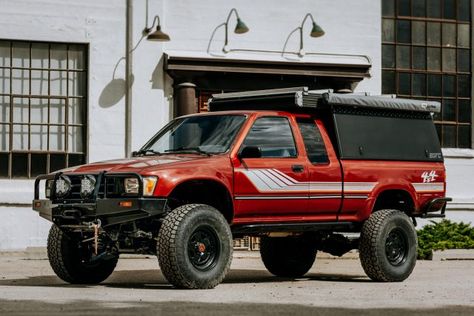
298	168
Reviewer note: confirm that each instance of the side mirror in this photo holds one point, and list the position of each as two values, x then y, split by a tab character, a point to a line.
250	152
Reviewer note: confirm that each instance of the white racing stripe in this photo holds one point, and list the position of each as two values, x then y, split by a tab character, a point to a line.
429	187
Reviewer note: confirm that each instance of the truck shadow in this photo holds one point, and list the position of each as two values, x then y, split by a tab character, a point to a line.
153	279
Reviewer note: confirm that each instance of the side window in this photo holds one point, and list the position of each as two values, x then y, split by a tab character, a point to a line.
273	136
313	141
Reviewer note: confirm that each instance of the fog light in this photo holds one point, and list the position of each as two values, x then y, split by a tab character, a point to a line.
63	186
87	186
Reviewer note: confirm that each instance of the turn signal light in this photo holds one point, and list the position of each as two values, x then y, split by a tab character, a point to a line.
126	204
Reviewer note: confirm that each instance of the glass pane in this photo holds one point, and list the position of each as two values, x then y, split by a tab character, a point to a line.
75	140
464	10
464	136
39	55
463	35
57	111
403	57
58	56
4	137
404	7
77	84
464	60
39	82
449	10
388	56
388	30
449	110
388	82
20	81
75	160
419	58
388	7
56	138
404	83
434	59
39	137
433	8
5	81
449	86
434	33
313	141
449	59
4	109
77	56
464	111
20	137
419	84
419	8
20	165
4	54
464	86
58	83
449	34
20	110
21	54
403	31
449	136
38	164
418	32
39	111
4	161
76	111
434	85
57	162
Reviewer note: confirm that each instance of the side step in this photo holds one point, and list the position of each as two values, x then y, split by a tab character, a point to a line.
295	227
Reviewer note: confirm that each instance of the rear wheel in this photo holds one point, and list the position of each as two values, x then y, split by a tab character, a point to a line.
71	261
388	246
287	257
194	247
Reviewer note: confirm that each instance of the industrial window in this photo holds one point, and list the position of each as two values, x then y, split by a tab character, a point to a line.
43	104
426	54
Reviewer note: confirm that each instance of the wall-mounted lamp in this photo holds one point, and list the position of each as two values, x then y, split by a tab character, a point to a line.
316	31
240	28
157	35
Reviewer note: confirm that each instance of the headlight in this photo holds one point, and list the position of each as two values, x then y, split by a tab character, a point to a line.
87	186
49	186
132	185
63	186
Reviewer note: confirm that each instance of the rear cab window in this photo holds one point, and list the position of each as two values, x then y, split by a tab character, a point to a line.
313	141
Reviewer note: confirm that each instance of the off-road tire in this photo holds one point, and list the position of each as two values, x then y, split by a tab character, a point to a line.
179	228
290	257
64	257
378	248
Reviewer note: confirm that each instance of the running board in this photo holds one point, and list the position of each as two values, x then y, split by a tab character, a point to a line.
295	227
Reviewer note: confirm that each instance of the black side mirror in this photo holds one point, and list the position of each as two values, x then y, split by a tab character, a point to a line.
250	152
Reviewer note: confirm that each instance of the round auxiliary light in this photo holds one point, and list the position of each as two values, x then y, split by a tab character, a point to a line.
63	186
87	185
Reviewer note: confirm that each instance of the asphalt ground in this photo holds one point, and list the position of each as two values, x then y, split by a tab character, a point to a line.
332	287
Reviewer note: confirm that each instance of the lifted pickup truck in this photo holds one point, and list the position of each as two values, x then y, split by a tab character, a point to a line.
298	168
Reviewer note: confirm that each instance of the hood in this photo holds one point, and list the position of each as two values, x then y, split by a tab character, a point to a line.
135	164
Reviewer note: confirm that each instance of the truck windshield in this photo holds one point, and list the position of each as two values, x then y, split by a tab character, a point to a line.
206	134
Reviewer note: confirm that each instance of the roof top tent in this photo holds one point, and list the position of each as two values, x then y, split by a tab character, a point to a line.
361	126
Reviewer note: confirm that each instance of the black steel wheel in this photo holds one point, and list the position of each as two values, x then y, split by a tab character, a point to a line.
194	247
388	245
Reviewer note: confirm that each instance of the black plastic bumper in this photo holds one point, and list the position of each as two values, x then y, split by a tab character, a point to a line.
110	211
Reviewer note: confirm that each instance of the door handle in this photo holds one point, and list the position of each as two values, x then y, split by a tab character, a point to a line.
297	168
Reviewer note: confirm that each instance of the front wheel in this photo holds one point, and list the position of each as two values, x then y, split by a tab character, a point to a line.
194	247
387	246
71	262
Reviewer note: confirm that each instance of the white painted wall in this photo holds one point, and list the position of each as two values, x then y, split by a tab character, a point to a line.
352	27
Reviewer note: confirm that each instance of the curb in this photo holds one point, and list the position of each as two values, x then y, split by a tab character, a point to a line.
453	254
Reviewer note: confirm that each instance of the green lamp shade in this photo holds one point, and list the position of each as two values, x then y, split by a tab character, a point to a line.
316	31
241	28
158	35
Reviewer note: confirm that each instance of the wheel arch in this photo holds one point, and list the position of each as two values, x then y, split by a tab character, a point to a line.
395	198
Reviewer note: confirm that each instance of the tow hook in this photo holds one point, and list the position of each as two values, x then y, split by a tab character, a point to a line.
96	225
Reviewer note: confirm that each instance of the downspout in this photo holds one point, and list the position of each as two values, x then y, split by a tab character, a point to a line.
128	76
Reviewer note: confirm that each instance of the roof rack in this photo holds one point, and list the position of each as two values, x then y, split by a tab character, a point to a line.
302	97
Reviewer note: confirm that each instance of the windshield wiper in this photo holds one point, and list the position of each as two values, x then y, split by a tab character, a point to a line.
144	152
188	149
